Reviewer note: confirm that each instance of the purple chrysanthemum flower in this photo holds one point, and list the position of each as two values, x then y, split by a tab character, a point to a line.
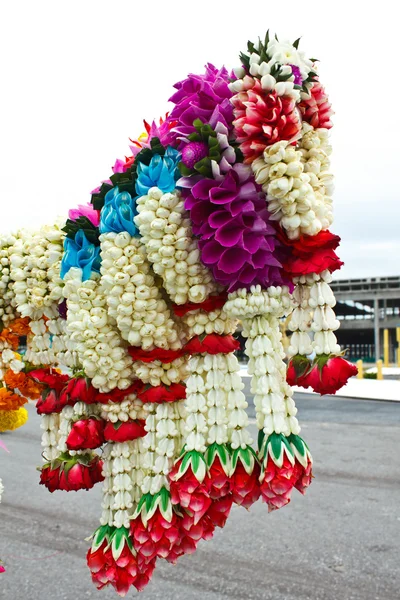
205	97
236	238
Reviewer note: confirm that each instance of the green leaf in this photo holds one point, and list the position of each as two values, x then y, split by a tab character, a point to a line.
210	454
101	534
275	441
260	441
165	498
195	461
185	463
117	543
296	43
235	457
298	443
223	455
245	456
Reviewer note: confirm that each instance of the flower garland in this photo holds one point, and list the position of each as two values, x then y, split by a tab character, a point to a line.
221	213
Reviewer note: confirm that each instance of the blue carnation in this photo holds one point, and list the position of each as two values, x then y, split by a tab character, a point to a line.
162	172
118	212
81	254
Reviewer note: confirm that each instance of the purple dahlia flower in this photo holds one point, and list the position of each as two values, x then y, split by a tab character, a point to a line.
204	97
236	238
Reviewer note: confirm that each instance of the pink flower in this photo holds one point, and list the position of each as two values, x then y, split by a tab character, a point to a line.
85	210
189	493
157	538
277	483
245	487
2	569
317	110
263	118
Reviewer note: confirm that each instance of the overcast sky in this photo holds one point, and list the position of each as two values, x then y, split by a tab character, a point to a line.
79	76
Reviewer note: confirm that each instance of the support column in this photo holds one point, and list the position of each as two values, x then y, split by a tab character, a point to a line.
376	329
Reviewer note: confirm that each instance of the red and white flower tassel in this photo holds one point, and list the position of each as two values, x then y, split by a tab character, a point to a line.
285	459
329	371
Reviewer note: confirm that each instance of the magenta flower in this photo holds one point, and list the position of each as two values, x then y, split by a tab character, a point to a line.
85	210
205	97
236	238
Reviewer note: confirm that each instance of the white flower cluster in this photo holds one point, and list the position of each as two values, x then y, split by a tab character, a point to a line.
300	320
96	340
166	232
1	488
68	416
275	408
7	297
238	421
133	298
9	360
162	442
157	373
35	269
39	347
123	477
57	328
282	54
244	304
315	149
198	322
129	408
50	436
196	406
290	195
324	322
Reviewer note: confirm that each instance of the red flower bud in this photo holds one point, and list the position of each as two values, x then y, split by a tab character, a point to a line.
329	374
124	432
86	434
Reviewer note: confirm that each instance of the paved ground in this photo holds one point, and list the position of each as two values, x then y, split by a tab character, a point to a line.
339	542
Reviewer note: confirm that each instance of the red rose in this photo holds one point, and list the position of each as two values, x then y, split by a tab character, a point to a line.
160	393
212	344
165	356
212	303
117	395
245	487
52	379
50	478
310	253
52	401
80	476
79	389
329	374
86	434
297	370
124	432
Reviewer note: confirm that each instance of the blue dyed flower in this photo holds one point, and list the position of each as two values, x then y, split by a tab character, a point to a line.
118	212
162	172
80	253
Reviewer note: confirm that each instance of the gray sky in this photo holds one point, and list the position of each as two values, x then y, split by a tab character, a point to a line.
78	77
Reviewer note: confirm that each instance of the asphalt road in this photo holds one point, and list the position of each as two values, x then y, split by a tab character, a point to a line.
339	542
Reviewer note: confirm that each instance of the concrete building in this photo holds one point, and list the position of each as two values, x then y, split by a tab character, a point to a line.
366	307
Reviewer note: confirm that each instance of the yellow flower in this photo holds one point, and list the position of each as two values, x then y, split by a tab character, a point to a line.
12	419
